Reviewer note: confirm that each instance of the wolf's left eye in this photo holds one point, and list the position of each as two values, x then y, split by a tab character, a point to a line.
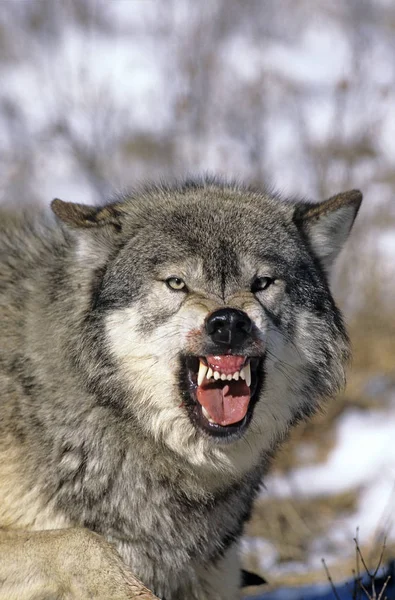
261	283
175	283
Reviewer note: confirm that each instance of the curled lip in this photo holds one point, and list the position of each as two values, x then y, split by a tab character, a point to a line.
210	361
188	385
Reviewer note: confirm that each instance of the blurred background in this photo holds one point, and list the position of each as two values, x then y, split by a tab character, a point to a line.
97	96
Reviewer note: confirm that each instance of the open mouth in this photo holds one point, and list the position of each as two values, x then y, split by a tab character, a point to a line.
220	392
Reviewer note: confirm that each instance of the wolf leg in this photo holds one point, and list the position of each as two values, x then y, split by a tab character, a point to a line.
64	564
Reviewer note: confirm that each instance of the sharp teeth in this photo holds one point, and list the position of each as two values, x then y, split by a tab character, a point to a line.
208	372
247	370
202	373
205	413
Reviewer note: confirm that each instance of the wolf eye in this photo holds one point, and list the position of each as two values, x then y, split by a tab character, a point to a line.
261	283
175	283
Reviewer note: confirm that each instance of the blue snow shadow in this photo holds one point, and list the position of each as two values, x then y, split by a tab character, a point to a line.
343	591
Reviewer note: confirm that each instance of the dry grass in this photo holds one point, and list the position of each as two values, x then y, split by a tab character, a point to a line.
291	525
344	569
367	583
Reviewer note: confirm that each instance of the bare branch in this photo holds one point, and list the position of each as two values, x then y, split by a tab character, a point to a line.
380	597
330	580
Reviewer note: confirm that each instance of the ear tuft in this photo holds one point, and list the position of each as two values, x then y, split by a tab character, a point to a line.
85	216
327	224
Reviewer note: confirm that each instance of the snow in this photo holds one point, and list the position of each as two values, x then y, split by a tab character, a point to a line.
364	449
321	59
126	16
263	550
124	73
346	590
363	458
386	246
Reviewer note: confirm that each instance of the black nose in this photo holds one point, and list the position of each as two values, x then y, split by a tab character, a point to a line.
229	326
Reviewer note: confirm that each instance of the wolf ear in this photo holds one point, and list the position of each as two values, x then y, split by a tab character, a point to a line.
327	224
84	216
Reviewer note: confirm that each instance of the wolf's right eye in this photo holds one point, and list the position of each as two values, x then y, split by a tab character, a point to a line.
176	283
261	283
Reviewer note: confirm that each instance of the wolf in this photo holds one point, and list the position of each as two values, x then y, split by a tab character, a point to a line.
155	351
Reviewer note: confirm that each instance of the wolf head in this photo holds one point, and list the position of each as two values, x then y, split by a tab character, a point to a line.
216	311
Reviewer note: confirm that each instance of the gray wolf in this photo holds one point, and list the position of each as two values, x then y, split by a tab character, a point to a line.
154	353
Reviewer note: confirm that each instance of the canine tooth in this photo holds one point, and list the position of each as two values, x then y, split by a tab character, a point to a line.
236	375
242	373
216	375
229	377
209	373
223	376
247	370
205	413
202	373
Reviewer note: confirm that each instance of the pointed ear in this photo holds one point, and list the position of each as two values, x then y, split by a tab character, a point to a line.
327	224
84	216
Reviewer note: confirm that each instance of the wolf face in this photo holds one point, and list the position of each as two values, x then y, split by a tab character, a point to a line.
215	308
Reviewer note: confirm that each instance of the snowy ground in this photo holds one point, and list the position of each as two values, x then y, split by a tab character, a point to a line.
363	458
323	592
383	583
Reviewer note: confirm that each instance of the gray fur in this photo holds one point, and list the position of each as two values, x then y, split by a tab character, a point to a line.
89	365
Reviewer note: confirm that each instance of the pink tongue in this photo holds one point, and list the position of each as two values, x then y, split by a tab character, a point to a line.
227	404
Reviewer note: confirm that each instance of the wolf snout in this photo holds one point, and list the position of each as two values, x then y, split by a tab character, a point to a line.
229	326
